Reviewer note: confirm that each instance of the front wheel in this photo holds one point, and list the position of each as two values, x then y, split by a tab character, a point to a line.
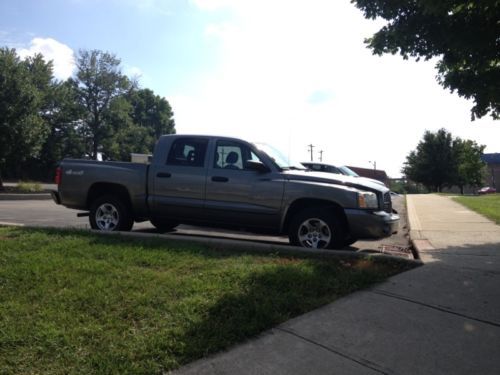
316	228
108	213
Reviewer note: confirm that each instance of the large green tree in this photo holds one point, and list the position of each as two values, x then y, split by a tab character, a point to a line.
432	163
464	35
153	113
64	118
24	88
127	137
43	120
470	168
137	120
99	80
441	160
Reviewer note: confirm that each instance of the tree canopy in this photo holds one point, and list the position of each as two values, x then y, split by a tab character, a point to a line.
97	110
441	160
464	35
24	87
98	81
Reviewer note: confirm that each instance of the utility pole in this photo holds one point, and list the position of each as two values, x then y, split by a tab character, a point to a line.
311	147
320	156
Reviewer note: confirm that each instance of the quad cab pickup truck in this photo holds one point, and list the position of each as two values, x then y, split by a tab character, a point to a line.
230	183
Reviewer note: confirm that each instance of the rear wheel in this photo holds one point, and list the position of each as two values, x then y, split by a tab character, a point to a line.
163	225
316	228
108	213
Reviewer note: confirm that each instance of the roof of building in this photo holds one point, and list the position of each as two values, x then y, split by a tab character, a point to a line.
376	174
491	158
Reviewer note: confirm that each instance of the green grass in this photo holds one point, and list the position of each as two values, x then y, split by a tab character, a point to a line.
75	302
26	187
487	205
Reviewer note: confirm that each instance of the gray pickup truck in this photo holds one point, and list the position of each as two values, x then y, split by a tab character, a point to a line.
230	183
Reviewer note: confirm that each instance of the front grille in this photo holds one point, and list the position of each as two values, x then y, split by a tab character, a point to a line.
387	202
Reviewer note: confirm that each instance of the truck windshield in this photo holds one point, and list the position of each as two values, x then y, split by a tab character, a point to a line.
278	157
348	172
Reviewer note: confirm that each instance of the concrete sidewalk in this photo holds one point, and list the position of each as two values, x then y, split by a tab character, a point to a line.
442	318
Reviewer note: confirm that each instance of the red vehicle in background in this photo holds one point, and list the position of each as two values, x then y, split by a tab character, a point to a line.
487	190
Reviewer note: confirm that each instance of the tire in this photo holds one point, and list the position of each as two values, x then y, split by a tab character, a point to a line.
108	213
163	225
316	227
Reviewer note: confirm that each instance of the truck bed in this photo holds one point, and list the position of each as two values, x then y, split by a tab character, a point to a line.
79	176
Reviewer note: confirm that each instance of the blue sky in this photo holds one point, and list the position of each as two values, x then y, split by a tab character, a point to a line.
289	73
163	38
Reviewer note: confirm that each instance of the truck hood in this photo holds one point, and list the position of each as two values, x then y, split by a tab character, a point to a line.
335	179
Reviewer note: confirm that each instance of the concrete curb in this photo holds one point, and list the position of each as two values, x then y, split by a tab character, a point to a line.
24	197
242	246
419	243
259	247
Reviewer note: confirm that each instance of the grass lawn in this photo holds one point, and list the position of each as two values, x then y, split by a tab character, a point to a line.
487	205
75	302
24	187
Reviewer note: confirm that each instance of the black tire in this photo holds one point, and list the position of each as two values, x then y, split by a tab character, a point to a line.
163	226
109	213
316	227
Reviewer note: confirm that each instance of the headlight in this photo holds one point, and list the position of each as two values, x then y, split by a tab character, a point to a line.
367	200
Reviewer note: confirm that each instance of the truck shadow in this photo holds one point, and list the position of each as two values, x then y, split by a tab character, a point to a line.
272	297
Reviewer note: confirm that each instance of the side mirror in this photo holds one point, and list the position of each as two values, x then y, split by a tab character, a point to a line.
257	166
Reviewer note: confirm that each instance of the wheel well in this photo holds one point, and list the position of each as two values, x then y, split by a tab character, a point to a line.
100	189
301	204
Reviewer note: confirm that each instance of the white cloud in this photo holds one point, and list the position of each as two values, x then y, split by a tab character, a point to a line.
133	71
62	56
275	54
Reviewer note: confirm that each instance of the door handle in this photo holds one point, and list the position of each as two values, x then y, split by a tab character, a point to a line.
163	175
220	179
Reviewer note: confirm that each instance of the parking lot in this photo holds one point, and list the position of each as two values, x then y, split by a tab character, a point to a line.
46	213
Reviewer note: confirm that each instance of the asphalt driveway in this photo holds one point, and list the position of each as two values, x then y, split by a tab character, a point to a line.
46	213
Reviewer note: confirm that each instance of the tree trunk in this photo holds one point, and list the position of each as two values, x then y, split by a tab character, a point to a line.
462	189
1	183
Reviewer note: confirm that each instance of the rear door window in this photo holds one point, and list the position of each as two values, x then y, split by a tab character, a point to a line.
189	152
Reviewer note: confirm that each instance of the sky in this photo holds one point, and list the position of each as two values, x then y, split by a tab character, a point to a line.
289	73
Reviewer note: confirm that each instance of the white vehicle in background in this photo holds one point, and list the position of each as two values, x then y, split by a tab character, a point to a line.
330	168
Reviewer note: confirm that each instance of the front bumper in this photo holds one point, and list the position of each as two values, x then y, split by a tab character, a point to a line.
371	224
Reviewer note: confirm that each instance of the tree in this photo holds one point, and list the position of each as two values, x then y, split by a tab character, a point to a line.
64	118
463	34
441	160
43	120
469	166
99	80
24	86
127	137
432	163
137	119
152	112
